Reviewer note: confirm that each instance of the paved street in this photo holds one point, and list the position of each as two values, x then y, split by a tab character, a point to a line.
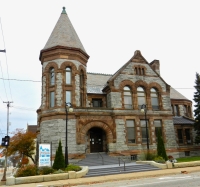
178	180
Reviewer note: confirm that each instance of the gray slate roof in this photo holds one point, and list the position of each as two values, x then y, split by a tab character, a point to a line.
182	120
174	94
96	82
64	34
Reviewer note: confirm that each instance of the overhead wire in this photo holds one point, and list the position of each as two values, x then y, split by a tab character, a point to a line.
6	59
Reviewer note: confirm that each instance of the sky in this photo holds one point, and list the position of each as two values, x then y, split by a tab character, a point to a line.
110	31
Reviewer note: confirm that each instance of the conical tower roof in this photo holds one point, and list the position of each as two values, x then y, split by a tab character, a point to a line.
64	34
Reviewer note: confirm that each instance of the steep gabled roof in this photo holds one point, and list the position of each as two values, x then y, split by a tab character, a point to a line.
137	57
64	34
174	94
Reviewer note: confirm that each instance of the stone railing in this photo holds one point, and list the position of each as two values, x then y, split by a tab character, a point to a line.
169	165
45	178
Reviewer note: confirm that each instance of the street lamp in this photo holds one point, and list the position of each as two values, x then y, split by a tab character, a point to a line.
68	108
144	110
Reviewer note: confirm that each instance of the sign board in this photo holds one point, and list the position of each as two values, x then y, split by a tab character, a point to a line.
44	154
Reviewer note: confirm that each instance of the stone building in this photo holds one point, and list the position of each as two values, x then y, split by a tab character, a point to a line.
107	113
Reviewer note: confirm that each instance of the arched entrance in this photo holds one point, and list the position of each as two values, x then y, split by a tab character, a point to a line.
97	140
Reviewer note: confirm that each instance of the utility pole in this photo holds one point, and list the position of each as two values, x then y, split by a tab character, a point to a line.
5	168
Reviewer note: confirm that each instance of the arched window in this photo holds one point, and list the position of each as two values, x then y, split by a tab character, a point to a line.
154	99
52	76
127	98
81	87
141	97
68	75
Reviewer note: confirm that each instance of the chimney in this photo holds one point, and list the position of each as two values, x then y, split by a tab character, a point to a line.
155	65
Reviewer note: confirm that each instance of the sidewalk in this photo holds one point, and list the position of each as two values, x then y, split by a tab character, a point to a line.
101	179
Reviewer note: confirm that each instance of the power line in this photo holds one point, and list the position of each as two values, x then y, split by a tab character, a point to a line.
87	84
6	57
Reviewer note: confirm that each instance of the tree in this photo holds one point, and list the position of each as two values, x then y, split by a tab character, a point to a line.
161	147
22	143
197	108
59	161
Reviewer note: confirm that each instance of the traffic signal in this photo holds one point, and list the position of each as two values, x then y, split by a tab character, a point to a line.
5	141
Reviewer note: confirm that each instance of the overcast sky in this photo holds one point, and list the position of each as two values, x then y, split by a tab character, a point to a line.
110	31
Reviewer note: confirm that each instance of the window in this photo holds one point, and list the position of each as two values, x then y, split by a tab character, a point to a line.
68	75
127	98
139	71
185	110
144	134
187	135
158	128
52	99
130	131
176	110
180	135
68	97
154	99
141	97
52	76
81	88
97	102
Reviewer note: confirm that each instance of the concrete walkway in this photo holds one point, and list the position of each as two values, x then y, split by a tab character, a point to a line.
101	179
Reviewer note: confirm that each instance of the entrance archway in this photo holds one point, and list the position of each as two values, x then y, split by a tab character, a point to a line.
97	140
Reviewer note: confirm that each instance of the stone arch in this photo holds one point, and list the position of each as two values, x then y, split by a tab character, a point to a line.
156	86
127	83
99	124
49	65
69	64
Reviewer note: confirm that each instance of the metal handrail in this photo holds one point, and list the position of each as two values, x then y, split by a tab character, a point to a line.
101	157
122	161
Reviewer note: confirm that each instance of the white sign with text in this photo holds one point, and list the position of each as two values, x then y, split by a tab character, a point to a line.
44	154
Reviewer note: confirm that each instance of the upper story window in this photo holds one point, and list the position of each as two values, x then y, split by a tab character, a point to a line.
130	125
97	102
52	76
141	97
81	88
154	99
127	98
176	110
68	75
139	71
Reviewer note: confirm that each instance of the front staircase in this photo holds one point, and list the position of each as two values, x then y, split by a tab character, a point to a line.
101	164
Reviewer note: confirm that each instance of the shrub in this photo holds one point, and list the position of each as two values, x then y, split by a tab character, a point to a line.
159	159
28	170
161	147
72	167
58	171
150	156
45	170
59	161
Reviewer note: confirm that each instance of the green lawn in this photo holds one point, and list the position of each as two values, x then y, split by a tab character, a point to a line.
188	159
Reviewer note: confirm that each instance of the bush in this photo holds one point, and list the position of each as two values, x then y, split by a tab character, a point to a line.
28	170
45	170
59	161
159	159
72	167
58	171
150	156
